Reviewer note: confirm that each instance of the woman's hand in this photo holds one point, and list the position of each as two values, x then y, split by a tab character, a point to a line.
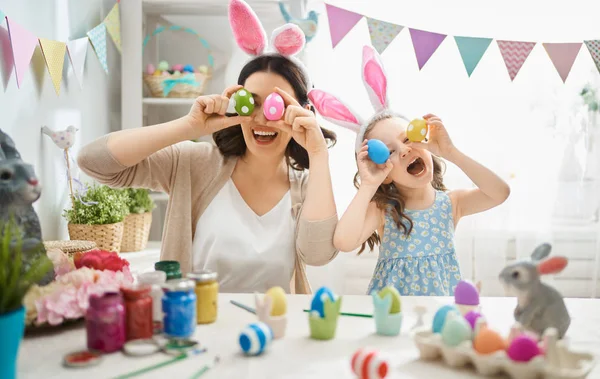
207	115
302	124
371	174
439	142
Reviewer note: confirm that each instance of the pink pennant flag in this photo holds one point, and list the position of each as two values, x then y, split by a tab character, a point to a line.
594	49
23	44
515	54
563	56
425	44
341	22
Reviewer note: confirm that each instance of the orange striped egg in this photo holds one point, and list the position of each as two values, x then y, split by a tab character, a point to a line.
368	364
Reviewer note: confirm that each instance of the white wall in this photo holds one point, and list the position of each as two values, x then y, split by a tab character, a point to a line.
95	109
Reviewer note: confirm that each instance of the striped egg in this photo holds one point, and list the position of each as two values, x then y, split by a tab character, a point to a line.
255	338
367	364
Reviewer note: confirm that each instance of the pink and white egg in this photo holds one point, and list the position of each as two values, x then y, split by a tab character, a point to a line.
273	107
369	364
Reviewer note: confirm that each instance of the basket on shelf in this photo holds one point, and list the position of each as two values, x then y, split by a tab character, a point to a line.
70	247
189	83
107	236
136	230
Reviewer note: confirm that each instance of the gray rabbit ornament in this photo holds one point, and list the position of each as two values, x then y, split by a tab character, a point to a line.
539	306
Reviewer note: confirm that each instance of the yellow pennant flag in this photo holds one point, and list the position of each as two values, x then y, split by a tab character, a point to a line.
113	25
54	54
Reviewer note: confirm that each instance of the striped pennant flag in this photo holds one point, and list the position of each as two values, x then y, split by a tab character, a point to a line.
515	54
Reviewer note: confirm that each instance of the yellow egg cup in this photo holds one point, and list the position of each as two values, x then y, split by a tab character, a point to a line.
264	310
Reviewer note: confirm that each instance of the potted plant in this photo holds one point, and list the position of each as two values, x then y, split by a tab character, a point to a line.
137	223
97	215
16	277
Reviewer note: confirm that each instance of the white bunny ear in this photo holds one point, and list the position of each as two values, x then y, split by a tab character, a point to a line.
288	39
248	32
374	78
332	109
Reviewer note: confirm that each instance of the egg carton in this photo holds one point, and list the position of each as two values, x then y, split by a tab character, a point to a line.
558	361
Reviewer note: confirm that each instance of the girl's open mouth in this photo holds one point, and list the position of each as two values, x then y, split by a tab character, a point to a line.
416	167
264	137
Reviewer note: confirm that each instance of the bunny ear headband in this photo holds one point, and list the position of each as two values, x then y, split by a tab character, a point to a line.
287	40
375	81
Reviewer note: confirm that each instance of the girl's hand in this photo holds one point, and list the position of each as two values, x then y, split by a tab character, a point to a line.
207	115
439	142
302	124
371	174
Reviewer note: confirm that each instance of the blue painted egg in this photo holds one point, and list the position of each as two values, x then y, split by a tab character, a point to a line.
188	68
440	317
319	299
255	338
378	151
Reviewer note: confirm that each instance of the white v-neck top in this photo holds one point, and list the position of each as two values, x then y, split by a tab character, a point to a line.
249	252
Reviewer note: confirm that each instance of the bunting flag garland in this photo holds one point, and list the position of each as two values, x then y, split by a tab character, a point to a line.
594	49
77	50
98	39
54	54
472	50
515	54
341	22
562	56
113	26
382	33
23	45
425	44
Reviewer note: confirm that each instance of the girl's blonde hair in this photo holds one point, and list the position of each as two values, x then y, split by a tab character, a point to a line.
388	195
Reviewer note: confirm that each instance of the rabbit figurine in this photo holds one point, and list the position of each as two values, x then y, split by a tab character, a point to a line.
539	306
19	189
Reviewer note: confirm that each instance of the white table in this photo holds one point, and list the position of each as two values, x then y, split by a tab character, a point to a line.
295	356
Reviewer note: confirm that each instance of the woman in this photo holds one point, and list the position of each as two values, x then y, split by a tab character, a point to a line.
245	208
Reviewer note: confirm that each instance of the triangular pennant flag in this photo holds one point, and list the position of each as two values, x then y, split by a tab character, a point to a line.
23	44
594	48
113	26
77	51
563	56
515	54
425	44
98	39
382	33
340	22
471	50
54	54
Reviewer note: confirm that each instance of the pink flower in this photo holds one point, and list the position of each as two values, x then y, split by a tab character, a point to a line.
78	277
61	262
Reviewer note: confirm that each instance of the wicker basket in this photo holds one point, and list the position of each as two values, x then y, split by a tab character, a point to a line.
70	247
136	230
183	85
107	237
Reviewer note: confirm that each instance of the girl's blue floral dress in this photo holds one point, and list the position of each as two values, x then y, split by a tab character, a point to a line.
424	263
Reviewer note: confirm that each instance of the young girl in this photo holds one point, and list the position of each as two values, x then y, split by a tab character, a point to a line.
403	205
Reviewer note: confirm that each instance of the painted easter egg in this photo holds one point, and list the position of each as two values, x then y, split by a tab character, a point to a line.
523	348
244	102
472	317
417	130
150	69
203	69
466	293
166	73
278	301
395	298
319	299
488	341
177	73
255	338
273	107
157	73
378	151
163	66
177	67
369	364
456	330
440	317
188	68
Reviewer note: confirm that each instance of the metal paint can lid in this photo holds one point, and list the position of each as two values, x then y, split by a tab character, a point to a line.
141	347
83	358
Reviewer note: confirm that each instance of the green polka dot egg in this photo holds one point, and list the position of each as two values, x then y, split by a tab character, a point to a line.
417	130
243	102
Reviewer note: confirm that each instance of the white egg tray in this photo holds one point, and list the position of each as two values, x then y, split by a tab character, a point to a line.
558	362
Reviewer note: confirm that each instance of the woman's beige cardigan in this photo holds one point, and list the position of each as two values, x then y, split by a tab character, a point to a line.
192	173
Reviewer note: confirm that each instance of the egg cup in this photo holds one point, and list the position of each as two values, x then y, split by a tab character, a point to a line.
263	310
386	323
323	328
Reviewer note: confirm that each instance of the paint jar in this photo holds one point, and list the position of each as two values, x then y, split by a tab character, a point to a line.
179	308
105	322
155	279
171	268
207	293
138	312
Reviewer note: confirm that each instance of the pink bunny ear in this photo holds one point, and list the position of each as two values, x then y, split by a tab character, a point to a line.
334	110
288	39
247	30
374	78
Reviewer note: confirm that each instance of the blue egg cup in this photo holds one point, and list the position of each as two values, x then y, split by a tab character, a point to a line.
386	323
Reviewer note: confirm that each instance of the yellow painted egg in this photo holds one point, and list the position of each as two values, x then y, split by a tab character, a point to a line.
157	73
417	130
278	301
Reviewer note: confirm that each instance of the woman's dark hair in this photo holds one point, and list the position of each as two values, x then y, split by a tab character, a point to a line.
230	141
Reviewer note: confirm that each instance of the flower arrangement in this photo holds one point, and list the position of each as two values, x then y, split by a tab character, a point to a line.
77	277
139	200
99	205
